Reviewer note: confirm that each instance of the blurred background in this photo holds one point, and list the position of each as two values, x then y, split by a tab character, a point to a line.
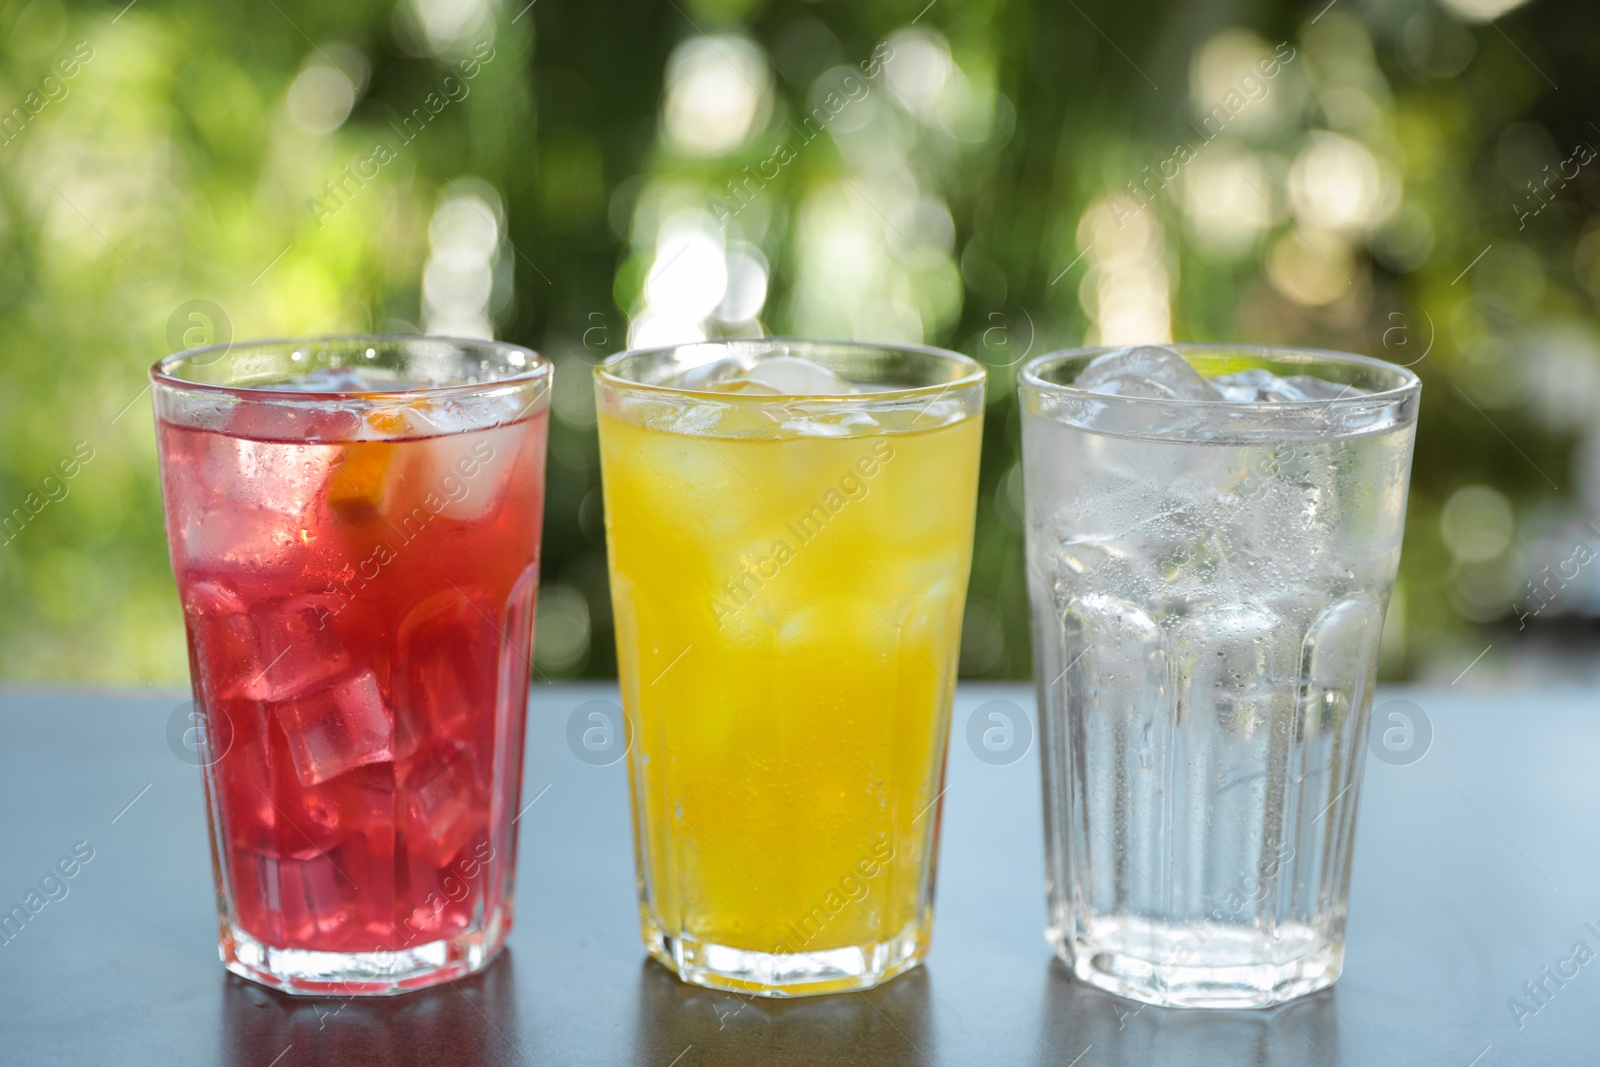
1412	179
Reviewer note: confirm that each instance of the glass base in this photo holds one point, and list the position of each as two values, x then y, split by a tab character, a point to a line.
362	974
795	974
1224	967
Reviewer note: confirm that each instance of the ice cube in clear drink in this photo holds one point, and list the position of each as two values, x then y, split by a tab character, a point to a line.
1305	387
1257	385
1250	386
1150	372
1230	668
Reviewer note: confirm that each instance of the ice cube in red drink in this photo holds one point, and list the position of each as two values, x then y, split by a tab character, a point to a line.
445	801
337	728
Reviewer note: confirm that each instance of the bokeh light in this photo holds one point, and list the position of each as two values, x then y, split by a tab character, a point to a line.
1477	523
1401	181
1336	183
717	96
320	99
458	281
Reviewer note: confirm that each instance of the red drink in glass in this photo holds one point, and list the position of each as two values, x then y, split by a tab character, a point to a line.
358	571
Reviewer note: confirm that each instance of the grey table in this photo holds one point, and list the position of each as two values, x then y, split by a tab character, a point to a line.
1476	868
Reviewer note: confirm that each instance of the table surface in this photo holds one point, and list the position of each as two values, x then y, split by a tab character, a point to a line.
1476	867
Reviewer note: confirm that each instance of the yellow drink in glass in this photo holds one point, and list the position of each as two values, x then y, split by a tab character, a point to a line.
788	575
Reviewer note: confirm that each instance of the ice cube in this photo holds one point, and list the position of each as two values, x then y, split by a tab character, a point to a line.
799	377
1245	387
464	468
844	627
337	728
814	427
307	895
708	375
237	534
1119	655
279	426
446	805
225	644
448	654
361	802
1260	386
296	647
774	376
266	821
284	476
1233	665
1150	372
268	652
1305	387
308	820
1108	662
470	471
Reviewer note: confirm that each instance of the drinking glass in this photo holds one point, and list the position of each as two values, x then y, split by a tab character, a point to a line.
354	529
788	572
1209	580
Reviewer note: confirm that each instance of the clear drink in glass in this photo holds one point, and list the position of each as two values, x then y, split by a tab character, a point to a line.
1212	535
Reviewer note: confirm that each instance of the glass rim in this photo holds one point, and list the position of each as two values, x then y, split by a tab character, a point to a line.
1410	384
539	368
975	372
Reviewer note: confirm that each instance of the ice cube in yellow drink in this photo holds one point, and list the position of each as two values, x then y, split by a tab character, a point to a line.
788	614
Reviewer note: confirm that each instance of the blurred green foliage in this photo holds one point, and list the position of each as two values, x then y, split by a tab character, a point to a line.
999	177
